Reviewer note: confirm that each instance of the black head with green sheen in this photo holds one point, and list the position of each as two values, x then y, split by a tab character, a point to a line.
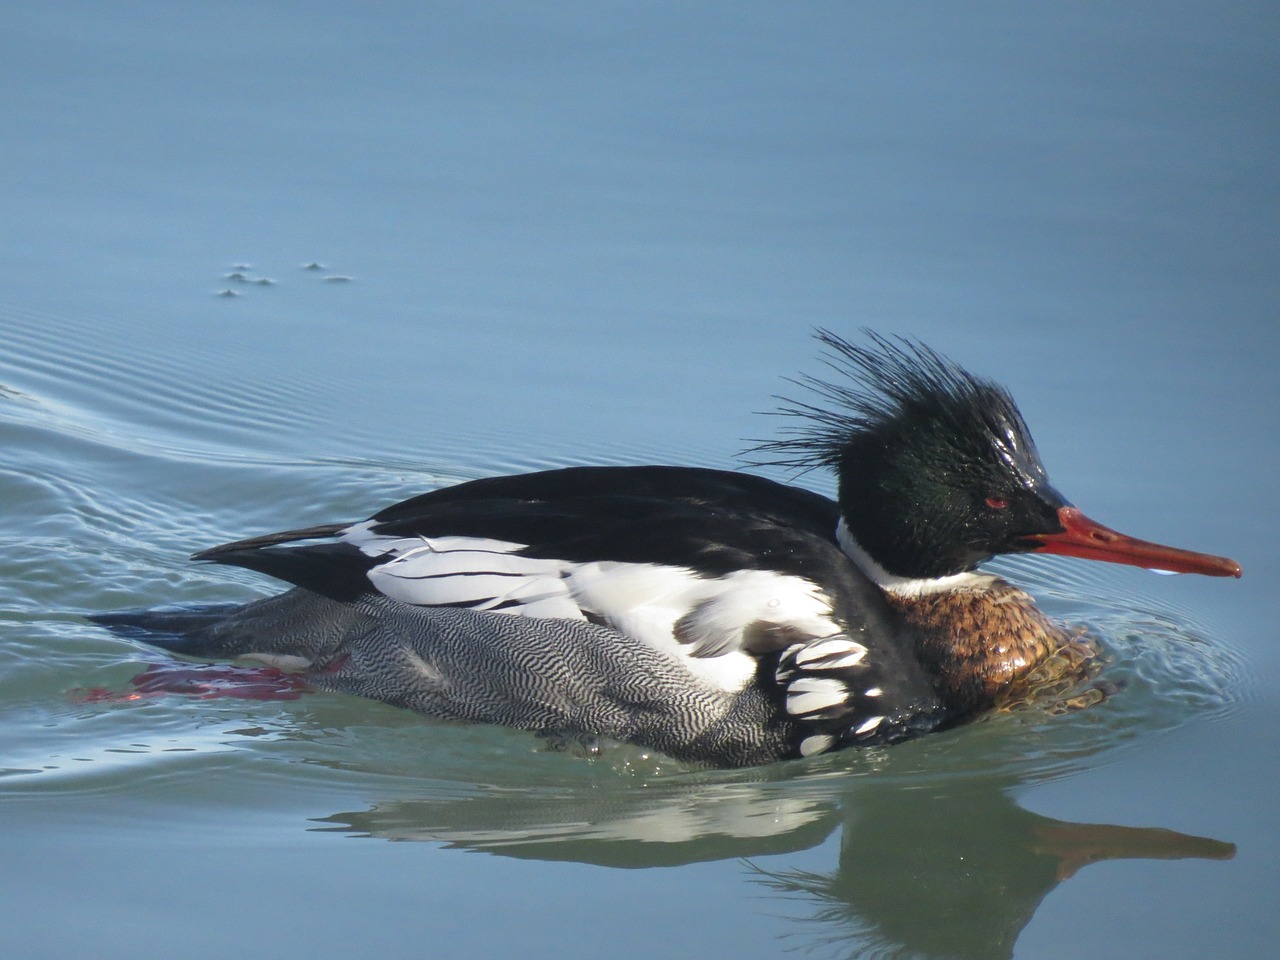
937	469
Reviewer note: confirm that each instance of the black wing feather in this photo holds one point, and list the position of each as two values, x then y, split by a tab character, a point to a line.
335	570
690	486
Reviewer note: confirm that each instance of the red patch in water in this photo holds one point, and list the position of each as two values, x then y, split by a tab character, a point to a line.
205	681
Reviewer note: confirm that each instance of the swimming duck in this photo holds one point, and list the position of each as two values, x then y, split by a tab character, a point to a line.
715	616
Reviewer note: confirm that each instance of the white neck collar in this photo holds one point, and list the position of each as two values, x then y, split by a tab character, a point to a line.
902	586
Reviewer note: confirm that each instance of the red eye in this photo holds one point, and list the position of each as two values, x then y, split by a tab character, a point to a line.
997	503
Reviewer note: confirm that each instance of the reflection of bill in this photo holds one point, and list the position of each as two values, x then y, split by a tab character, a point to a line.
953	869
960	873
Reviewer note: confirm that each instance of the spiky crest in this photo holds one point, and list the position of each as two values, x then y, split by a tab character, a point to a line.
894	380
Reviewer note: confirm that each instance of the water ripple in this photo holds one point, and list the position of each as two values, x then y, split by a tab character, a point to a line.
74	370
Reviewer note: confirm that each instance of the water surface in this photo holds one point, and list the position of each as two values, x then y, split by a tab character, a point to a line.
599	234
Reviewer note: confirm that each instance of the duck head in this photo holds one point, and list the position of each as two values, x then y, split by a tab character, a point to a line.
938	471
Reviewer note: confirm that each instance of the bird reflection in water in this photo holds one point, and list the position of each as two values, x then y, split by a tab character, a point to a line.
957	874
938	867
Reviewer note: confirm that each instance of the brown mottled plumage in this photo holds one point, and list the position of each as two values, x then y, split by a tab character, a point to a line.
989	645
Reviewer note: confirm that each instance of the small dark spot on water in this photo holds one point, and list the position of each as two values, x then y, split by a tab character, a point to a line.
240	274
9	393
227	293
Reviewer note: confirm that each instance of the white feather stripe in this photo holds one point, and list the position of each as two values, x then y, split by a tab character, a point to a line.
430	563
709	614
752	597
868	725
473	589
372	544
814	694
645	601
610	586
541	597
834	652
556	608
815	744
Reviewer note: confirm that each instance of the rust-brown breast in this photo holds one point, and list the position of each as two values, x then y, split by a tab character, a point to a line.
984	643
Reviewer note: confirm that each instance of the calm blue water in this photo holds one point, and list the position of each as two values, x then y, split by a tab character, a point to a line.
602	233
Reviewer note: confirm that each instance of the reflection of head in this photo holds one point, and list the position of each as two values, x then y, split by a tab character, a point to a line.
958	872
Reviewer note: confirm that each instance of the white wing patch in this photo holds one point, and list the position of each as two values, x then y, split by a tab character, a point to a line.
757	602
470	572
702	622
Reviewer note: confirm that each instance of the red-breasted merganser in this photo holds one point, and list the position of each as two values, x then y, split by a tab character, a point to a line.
715	616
